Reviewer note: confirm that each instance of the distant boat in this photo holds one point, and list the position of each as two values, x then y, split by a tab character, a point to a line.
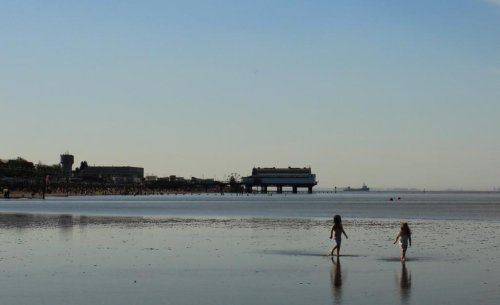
364	188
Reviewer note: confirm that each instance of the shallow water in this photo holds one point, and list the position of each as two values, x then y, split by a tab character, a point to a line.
170	252
445	206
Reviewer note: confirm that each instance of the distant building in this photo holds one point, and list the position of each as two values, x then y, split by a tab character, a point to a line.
67	161
115	174
151	178
280	177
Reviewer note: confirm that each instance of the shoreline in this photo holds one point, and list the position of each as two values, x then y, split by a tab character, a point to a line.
29	195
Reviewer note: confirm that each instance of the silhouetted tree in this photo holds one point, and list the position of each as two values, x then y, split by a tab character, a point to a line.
83	165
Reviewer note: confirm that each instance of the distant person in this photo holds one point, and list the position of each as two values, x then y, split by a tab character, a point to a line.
338	229
404	237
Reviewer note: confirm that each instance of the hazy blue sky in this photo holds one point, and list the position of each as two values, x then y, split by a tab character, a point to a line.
390	93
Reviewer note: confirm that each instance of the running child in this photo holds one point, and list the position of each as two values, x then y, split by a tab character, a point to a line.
338	229
404	237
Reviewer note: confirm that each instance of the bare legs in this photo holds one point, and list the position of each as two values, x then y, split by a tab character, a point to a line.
337	247
403	253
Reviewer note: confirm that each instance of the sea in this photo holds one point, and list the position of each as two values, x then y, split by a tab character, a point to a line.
248	249
478	206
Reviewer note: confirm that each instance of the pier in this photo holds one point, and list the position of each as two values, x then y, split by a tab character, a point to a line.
279	178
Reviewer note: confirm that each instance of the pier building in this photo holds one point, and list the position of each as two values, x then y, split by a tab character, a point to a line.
293	177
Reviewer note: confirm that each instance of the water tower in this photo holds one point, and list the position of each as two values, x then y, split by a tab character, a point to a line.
67	161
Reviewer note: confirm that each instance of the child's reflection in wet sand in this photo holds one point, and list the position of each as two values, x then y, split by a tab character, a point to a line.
336	280
403	279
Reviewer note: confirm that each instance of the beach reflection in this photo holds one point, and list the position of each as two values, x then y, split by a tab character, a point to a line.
336	281
403	279
65	225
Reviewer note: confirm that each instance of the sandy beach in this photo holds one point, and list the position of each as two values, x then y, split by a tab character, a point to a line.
54	259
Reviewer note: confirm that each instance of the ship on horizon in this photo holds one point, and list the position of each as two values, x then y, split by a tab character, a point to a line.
364	188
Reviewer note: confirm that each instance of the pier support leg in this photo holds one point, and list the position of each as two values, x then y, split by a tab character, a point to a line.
310	189
279	189
264	189
294	190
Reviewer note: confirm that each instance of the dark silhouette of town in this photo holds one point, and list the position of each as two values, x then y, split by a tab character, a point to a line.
22	178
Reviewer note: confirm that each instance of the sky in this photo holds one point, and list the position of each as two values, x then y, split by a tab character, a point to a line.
388	93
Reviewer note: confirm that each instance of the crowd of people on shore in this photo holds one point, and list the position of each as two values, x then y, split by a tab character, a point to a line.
93	190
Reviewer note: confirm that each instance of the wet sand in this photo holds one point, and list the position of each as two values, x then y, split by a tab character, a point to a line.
64	259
